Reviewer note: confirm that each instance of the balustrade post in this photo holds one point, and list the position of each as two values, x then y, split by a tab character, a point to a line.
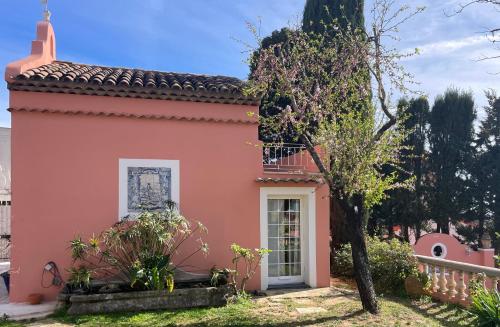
442	280
494	286
435	279
452	285
462	287
471	276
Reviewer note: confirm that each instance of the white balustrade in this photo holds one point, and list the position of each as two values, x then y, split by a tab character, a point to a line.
449	279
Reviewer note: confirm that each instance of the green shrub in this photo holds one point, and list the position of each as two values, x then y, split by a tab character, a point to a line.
248	261
486	306
137	251
485	303
79	277
390	263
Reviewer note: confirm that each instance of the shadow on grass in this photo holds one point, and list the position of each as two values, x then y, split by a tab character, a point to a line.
449	315
298	323
193	317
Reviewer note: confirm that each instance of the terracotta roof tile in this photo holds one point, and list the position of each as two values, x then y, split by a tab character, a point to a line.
67	77
290	180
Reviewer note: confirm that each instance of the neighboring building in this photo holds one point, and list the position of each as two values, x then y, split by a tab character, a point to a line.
4	164
89	143
5	200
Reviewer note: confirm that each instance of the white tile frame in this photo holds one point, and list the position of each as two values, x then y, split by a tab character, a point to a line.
310	195
123	164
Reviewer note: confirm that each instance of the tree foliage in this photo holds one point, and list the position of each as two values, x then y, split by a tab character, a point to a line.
322	79
319	14
451	138
406	206
488	165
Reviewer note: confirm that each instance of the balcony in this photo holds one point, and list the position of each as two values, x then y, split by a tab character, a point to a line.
287	158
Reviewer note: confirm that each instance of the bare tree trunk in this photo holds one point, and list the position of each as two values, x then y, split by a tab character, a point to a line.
481	231
496	219
443	228
418	232
354	214
404	231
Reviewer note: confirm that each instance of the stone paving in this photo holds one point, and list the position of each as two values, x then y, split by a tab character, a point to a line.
306	301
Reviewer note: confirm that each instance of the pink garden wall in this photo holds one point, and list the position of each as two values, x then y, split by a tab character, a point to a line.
453	250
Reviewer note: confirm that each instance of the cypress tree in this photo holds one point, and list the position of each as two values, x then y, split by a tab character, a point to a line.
319	14
489	143
407	207
451	138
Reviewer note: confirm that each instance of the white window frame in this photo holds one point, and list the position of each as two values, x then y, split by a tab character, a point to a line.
307	194
443	248
173	165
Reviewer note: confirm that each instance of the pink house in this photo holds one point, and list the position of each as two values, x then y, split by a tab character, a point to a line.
82	134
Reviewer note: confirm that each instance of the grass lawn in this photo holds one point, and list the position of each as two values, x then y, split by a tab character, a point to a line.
341	311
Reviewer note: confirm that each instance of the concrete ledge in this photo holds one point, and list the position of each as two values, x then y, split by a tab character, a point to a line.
148	300
24	311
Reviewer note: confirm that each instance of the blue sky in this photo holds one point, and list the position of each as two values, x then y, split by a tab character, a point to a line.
198	36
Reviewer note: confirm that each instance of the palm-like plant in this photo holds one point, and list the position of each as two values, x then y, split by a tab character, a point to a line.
140	251
486	306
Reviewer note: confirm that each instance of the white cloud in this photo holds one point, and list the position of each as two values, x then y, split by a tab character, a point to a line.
446	47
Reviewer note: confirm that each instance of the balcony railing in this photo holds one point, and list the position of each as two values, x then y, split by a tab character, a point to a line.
285	158
449	279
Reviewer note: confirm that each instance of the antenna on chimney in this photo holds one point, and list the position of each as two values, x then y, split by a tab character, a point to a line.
46	12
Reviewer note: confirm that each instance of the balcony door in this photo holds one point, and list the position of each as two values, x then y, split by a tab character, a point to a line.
285	217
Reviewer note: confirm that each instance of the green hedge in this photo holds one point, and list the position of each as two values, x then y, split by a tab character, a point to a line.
390	263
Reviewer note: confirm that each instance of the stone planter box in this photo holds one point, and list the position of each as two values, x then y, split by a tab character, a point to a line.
148	300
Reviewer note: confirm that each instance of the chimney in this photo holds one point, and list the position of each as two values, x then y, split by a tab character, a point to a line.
43	51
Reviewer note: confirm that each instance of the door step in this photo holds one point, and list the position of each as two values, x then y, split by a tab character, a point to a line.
288	286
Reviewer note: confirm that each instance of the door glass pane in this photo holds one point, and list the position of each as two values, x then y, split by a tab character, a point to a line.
284	270
294	231
273	243
284	237
272	206
273	230
273	270
296	270
284	218
295	218
273	218
295	205
294	243
273	257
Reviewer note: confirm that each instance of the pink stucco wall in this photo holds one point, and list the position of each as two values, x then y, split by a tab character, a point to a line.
455	251
65	155
65	177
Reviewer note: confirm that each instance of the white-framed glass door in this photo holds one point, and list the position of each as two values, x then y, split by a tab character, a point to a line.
285	231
